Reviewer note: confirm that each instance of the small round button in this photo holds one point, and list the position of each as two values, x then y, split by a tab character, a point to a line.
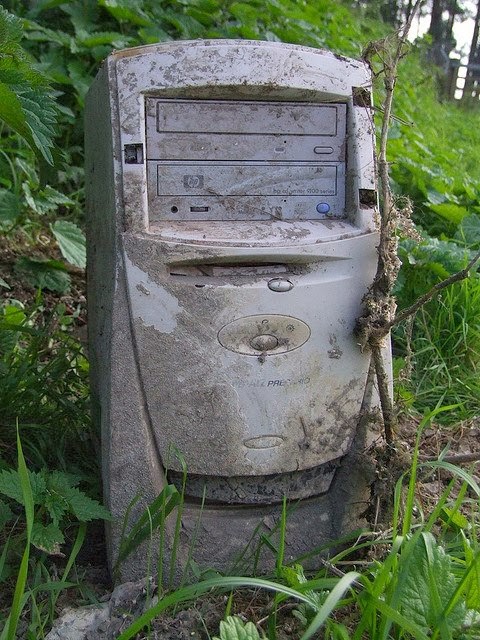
323	207
264	342
280	285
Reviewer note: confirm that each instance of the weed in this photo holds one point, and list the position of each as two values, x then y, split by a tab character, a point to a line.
424	586
43	385
445	348
232	628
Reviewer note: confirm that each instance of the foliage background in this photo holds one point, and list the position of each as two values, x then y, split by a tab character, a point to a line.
50	51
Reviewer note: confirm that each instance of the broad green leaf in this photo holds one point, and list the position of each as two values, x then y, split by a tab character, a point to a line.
80	78
71	241
12	114
47	537
10	29
187	26
60	481
10	486
395	131
85	508
9	208
469	230
126	11
438	269
44	274
452	212
429	583
57	506
59	486
13	314
4	284
435	197
45	200
473	581
432	251
11	317
26	101
5	514
116	40
454	518
244	12
233	628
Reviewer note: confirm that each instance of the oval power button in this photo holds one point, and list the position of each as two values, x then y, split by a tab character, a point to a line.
264	342
280	285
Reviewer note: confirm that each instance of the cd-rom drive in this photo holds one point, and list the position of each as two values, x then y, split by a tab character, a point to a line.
224	160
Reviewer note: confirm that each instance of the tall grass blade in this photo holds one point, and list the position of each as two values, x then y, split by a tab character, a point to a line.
403	622
194	591
9	631
152	517
79	540
410	503
193	540
281	543
458	471
178	520
330	603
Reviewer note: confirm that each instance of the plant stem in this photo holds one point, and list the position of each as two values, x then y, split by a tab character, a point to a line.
456	277
379	303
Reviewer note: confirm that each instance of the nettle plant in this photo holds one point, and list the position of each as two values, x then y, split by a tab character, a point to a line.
29	121
57	500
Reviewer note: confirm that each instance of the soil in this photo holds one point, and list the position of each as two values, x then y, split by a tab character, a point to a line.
202	620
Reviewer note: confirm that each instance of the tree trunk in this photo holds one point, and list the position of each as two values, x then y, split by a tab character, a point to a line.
436	22
389	12
453	10
408	9
472	81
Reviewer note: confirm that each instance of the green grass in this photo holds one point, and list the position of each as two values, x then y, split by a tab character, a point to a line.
424	584
445	347
43	388
43	371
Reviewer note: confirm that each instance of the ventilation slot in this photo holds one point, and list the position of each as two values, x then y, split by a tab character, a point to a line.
230	270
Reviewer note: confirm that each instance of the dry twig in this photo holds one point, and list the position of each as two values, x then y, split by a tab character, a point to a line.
379	304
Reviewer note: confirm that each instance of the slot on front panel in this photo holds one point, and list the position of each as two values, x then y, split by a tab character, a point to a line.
230	270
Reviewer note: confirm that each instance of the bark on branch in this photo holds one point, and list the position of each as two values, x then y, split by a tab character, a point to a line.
380	306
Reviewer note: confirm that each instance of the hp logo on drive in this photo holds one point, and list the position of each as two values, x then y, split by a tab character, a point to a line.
192	182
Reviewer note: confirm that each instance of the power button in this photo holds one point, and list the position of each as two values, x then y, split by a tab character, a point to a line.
264	342
323	207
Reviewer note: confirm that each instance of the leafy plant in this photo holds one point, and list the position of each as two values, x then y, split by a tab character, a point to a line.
8	632
233	628
44	495
71	241
43	385
56	497
445	348
26	101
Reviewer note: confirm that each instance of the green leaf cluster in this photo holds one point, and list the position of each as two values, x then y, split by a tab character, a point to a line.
43	383
26	100
56	497
233	628
429	586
